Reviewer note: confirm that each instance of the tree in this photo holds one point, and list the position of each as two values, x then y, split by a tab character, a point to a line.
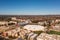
48	26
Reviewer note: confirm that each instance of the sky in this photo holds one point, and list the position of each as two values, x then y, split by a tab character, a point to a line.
29	7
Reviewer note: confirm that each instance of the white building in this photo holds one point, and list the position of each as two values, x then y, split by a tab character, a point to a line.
12	22
41	23
56	27
44	36
33	37
28	21
13	18
57	20
30	35
34	27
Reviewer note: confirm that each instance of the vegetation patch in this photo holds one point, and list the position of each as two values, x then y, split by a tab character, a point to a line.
38	32
54	32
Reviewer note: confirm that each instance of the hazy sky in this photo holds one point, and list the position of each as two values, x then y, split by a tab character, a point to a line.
29	7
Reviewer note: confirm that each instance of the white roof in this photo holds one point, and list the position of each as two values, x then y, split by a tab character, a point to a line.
40	39
34	36
46	36
31	34
34	27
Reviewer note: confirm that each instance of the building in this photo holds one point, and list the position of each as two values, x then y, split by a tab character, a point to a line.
13	18
34	27
57	20
3	22
56	28
22	23
33	37
44	36
30	34
28	21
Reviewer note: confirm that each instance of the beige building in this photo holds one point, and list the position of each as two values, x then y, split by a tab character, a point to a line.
3	22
